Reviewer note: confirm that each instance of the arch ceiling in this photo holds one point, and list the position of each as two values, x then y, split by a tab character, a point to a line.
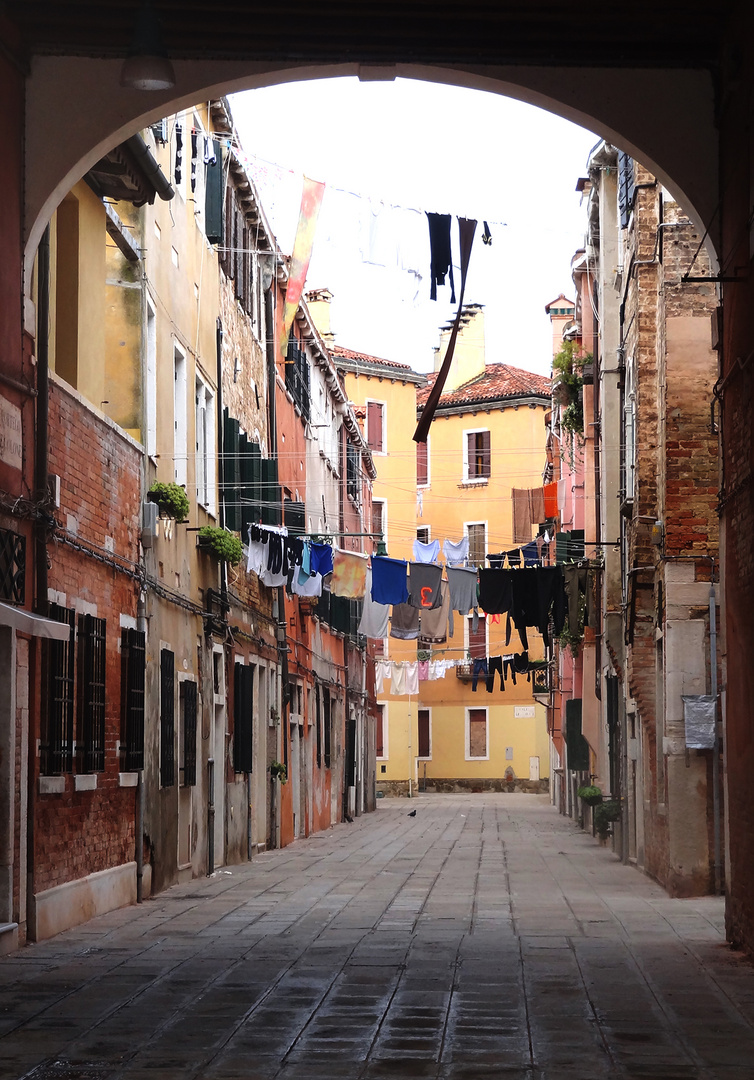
642	76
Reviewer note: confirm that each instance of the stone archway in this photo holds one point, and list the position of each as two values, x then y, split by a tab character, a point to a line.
76	111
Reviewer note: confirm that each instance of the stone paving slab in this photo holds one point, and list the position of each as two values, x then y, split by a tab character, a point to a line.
487	938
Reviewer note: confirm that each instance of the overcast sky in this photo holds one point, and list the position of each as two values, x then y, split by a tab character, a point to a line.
423	146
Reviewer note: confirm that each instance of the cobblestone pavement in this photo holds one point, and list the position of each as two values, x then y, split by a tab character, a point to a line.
485	937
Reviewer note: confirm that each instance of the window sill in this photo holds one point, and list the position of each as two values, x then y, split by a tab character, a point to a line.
51	785
85	782
128	779
483	481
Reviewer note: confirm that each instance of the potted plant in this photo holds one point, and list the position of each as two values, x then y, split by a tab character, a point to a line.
568	381
172	500
278	769
221	543
604	815
590	794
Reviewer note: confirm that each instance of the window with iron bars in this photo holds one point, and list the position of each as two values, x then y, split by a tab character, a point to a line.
167	718
90	744
133	675
57	698
12	566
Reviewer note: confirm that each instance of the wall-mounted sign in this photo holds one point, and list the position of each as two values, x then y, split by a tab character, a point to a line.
11	448
522	712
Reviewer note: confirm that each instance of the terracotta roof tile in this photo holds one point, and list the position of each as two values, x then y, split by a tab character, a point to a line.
365	358
499	381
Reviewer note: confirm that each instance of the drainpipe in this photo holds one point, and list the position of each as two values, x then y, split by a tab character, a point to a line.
40	532
141	613
223	588
279	598
715	741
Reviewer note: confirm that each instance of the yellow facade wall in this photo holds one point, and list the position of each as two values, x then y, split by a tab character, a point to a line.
447	506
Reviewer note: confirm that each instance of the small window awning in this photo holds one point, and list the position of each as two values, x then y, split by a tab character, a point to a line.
36	625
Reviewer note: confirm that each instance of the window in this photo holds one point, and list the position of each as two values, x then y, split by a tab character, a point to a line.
477	455
422	464
198	172
327	724
376	426
243	717
297	376
12	566
205	445
167	718
379	519
477	544
318	725
422	535
133	671
424	744
353	473
380	732
476	734
91	734
180	433
477	639
57	730
188	733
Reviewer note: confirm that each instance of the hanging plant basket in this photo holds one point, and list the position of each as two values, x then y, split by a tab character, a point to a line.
221	543
278	769
172	500
590	794
604	816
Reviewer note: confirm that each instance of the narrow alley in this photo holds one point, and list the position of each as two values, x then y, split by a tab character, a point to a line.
485	936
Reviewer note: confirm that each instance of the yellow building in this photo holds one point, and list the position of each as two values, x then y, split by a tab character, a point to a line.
486	439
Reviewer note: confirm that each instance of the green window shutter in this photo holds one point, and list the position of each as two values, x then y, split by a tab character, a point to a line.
215	199
578	747
249	509
230	471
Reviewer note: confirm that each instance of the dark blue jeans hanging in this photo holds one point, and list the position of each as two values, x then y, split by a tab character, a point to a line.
480	665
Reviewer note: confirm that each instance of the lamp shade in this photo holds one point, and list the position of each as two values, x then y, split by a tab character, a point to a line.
147	73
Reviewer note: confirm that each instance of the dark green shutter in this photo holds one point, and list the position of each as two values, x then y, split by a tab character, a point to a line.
215	199
578	747
230	472
243	703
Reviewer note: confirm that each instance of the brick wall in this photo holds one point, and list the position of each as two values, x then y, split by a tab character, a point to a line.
78	833
668	338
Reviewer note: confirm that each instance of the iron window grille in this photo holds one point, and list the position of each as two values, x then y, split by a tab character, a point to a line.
133	684
12	567
188	723
243	707
57	700
92	664
167	718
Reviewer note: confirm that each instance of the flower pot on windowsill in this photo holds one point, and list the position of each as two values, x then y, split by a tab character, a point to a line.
171	499
220	543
